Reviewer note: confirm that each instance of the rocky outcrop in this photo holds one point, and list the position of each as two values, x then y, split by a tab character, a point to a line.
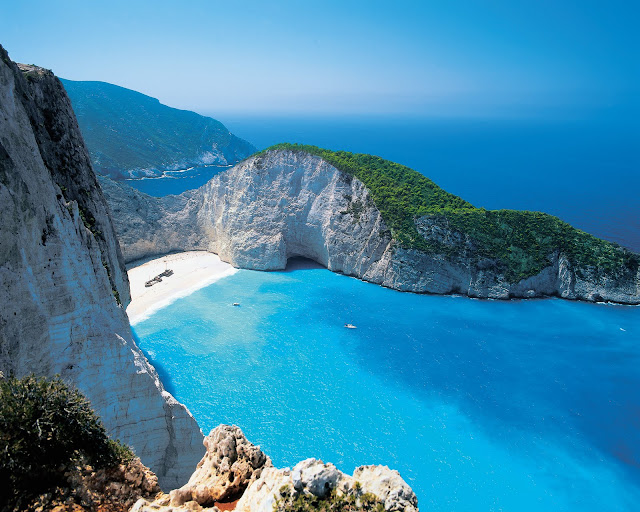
312	477
281	204
234	468
85	488
63	284
229	465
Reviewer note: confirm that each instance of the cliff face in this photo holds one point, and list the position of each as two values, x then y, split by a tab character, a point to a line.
283	203
148	226
63	284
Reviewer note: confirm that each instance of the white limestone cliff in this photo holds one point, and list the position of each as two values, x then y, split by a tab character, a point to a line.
234	469
63	284
282	204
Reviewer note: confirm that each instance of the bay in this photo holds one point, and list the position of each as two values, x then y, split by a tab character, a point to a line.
481	405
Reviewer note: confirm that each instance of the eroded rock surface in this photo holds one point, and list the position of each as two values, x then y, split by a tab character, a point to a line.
63	284
234	468
314	477
229	465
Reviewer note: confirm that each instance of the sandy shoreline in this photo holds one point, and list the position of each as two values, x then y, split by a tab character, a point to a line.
191	271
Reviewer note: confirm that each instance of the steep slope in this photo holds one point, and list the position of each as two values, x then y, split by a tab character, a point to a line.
377	221
63	284
129	133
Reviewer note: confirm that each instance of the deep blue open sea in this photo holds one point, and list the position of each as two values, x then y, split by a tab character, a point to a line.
481	405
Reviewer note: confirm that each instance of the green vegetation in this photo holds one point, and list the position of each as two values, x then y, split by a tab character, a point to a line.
88	220
521	242
354	500
126	130
46	428
116	295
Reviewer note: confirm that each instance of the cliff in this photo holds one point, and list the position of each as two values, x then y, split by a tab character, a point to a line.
130	134
235	474
400	230
63	284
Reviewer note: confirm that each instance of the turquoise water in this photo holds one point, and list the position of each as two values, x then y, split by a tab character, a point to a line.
481	405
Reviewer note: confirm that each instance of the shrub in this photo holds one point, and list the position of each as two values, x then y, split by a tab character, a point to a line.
45	428
353	500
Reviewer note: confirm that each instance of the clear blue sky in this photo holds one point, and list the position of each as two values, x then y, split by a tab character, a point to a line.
444	57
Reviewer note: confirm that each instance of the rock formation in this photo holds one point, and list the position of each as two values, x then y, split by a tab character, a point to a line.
115	489
234	469
283	203
63	284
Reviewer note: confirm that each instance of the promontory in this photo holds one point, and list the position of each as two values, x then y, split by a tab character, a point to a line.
376	220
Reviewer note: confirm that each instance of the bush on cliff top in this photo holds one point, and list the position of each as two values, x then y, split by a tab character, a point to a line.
521	241
353	500
45	428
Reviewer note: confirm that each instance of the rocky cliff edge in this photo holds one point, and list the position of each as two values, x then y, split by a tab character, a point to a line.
236	475
63	285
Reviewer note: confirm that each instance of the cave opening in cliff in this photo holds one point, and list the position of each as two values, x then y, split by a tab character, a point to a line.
301	263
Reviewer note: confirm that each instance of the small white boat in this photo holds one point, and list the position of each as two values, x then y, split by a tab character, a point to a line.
350	326
236	303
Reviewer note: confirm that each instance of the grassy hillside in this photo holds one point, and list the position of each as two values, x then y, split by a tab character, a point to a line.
521	241
125	130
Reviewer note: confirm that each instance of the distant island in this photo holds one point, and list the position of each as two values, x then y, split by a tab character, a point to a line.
129	134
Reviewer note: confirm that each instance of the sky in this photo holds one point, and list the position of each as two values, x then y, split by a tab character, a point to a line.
438	57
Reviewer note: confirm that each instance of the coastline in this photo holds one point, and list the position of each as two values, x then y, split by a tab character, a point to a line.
192	270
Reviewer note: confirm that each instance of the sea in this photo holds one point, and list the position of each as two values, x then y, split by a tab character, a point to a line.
480	404
177	181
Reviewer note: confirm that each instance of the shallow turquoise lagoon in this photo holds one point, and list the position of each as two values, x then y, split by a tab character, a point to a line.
481	405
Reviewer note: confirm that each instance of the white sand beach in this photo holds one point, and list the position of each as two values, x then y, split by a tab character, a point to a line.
191	271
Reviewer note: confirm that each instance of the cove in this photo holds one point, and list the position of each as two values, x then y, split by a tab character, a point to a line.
481	405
